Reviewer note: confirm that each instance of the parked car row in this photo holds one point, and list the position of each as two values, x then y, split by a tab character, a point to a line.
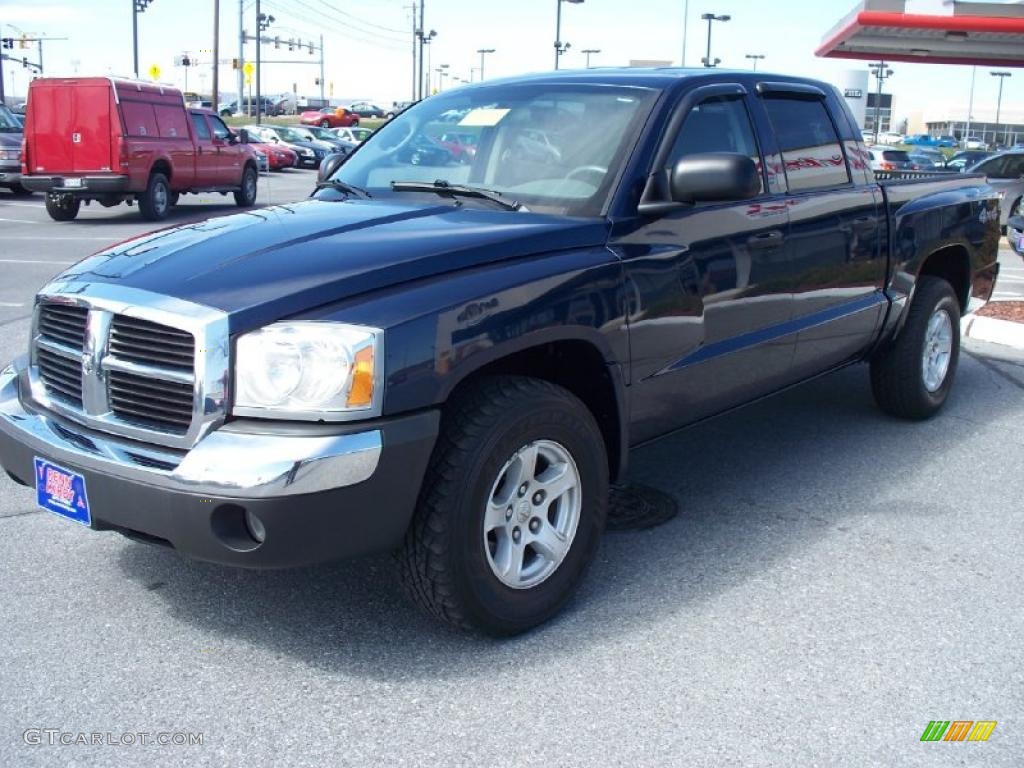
10	152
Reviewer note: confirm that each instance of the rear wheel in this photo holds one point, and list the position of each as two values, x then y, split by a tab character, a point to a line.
62	207
155	202
245	197
512	507
912	377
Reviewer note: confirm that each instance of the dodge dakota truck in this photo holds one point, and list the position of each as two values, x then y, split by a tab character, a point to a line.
453	361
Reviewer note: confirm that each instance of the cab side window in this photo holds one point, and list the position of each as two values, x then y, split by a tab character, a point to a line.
809	142
1013	167
220	131
716	125
200	127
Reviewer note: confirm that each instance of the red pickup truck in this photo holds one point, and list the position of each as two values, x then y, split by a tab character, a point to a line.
117	141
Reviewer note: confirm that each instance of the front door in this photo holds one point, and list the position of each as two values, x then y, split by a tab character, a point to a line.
207	161
229	153
709	286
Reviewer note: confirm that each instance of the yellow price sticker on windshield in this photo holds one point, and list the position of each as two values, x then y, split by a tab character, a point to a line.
484	118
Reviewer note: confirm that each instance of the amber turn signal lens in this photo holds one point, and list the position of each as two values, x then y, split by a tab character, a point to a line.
361	392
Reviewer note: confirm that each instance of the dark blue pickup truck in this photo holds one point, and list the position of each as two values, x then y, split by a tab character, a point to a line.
451	357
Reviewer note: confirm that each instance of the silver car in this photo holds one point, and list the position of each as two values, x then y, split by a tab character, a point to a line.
884	159
1005	172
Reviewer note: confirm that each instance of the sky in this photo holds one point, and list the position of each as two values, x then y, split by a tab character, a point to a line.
368	43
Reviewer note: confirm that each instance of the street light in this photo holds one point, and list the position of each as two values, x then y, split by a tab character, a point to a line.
442	73
425	39
879	70
483	53
710	18
589	51
138	6
263	22
755	57
561	47
999	103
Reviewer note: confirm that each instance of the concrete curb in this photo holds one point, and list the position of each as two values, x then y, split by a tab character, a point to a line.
993	330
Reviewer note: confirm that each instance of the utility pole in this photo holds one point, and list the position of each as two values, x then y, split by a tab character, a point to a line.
413	6
970	107
321	68
241	56
422	33
483	53
686	22
263	21
215	98
879	70
999	104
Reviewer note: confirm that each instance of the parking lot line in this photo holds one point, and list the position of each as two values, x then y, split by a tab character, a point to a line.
34	261
48	238
8	304
20	221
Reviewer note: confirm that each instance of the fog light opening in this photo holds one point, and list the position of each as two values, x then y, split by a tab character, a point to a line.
255	527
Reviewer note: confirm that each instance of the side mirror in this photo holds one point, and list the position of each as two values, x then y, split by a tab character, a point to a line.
243	136
232	138
329	165
708	177
714	176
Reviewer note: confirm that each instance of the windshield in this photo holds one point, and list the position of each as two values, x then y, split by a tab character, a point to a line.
553	147
8	122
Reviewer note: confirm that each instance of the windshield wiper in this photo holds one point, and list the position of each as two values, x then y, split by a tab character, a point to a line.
343	186
442	187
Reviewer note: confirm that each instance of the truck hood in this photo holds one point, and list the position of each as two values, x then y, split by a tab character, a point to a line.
271	263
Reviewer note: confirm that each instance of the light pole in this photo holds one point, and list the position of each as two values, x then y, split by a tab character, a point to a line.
483	53
999	102
561	47
442	73
755	57
686	24
879	70
589	51
711	18
263	21
425	40
138	6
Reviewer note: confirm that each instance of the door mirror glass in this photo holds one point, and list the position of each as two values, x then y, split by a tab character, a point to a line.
714	176
243	136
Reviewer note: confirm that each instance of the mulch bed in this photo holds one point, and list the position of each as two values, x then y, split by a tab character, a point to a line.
1004	310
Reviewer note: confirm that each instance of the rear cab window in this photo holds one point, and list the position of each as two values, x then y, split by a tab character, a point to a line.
809	142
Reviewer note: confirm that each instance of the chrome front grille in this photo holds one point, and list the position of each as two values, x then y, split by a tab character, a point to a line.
141	341
63	324
129	362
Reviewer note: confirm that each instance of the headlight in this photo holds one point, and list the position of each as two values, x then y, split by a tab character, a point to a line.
309	371
8	154
306	152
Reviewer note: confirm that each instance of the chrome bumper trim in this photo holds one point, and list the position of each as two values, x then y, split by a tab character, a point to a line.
233	464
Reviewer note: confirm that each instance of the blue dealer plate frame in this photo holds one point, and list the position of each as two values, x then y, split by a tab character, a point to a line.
62	492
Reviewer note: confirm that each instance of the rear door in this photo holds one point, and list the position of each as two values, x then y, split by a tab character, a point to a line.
835	230
52	112
91	141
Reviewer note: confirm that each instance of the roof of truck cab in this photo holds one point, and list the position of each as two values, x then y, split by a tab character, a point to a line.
657	78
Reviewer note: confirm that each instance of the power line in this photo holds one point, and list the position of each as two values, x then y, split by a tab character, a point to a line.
338	21
332	26
367	23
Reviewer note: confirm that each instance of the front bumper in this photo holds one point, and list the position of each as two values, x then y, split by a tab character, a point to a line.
87	185
322	492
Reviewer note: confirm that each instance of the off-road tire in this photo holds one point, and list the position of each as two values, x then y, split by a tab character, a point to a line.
897	372
442	562
155	202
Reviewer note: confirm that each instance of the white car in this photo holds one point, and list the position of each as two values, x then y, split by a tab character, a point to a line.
355	134
973	142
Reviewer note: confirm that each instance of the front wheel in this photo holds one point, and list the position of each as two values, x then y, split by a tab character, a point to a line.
913	376
62	207
512	507
245	197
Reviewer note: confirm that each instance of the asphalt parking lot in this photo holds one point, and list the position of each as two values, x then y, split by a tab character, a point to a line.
835	580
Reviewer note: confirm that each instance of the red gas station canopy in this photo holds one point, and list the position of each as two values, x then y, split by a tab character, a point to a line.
973	33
